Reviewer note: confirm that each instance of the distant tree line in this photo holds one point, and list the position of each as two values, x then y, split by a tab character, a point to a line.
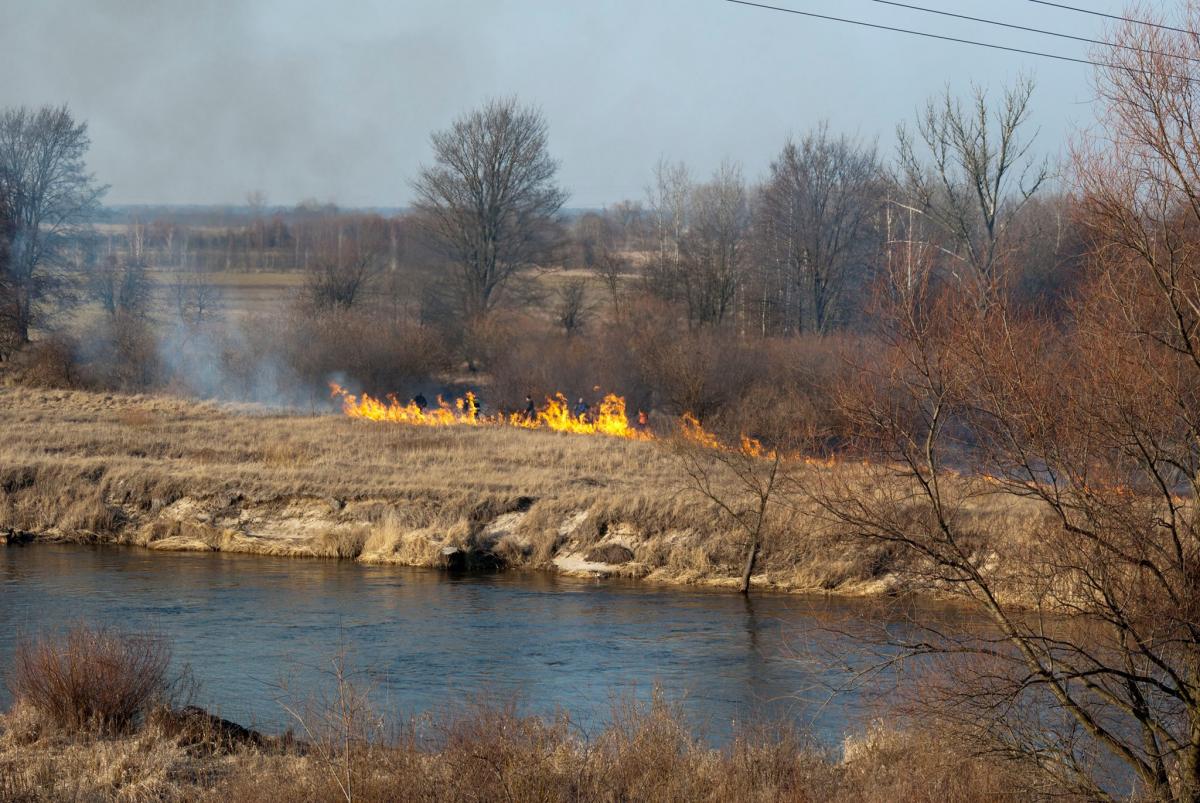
795	254
667	299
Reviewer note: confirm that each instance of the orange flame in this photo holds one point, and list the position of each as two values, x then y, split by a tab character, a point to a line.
610	419
463	411
692	431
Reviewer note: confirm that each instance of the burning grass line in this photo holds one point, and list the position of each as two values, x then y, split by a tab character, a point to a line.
611	419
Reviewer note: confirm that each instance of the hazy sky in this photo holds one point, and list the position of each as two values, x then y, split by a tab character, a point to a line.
202	101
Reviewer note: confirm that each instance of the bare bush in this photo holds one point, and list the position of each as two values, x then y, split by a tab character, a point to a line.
572	310
649	756
693	372
120	352
91	679
378	353
48	363
524	357
347	256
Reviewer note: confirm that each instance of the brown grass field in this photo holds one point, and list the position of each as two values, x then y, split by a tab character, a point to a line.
240	292
244	292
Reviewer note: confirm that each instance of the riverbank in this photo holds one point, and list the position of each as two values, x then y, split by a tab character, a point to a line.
170	474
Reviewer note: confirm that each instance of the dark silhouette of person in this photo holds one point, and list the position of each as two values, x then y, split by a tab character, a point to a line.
420	401
530	410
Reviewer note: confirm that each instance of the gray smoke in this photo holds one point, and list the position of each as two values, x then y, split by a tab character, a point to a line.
201	102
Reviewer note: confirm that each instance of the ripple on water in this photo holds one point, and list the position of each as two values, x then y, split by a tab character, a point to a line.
248	625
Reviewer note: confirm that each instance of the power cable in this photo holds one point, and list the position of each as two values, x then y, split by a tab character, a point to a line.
1114	17
958	40
1028	29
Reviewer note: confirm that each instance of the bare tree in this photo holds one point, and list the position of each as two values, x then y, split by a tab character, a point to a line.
121	286
715	246
197	298
629	219
8	296
597	239
348	253
744	482
135	239
591	234
51	196
611	268
976	174
817	215
489	203
572	309
669	196
1088	667
256	203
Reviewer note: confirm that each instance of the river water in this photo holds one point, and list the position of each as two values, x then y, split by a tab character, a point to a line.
257	631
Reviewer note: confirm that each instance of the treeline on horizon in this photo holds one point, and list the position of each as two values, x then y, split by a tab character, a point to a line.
715	295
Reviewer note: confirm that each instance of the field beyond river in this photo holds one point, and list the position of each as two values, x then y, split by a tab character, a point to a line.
171	474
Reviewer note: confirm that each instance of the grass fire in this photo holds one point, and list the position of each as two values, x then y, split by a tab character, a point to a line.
556	415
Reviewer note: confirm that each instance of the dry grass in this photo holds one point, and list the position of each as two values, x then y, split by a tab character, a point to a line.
494	754
171	474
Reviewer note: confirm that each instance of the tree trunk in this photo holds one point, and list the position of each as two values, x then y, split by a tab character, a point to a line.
22	308
1191	759
751	557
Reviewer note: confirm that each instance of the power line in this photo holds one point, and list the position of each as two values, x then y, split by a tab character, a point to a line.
1028	29
1114	17
925	34
972	42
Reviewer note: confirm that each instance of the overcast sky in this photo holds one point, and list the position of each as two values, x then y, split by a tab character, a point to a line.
202	101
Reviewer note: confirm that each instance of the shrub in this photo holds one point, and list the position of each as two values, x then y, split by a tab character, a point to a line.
378	354
100	679
120	352
48	363
543	363
697	372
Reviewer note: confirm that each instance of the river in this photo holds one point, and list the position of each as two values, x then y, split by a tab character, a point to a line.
256	631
